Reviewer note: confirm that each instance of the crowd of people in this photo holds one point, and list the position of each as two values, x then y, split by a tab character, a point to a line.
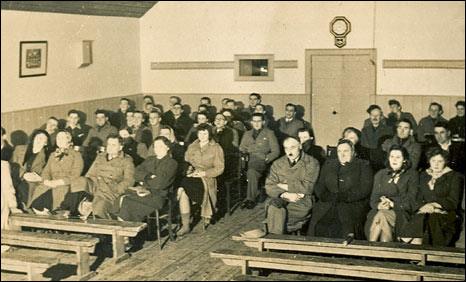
393	180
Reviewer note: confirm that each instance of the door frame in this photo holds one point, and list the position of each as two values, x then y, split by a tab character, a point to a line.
372	52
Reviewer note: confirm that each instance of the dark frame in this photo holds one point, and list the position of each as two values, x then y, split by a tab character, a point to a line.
41	69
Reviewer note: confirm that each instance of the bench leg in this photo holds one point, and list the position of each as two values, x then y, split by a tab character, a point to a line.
157	221
35	274
245	268
227	187
83	271
170	214
118	245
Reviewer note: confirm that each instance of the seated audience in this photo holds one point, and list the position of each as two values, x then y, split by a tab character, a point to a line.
179	121
63	168
147	104
141	134
290	185
155	119
456	124
396	115
306	138
202	118
288	125
404	138
51	127
7	149
200	184
155	177
455	149
354	135
130	146
261	146
269	121
102	130
8	197
74	127
393	197
227	138
373	136
108	178
29	162
343	191
234	122
438	203
425	129
118	118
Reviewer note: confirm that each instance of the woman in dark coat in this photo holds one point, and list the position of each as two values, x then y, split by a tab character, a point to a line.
343	192
439	197
28	163
393	197
156	175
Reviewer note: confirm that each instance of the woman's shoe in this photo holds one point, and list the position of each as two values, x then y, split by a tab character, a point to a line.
205	223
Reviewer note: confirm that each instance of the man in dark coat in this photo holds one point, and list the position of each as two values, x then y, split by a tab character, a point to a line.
179	121
262	148
456	124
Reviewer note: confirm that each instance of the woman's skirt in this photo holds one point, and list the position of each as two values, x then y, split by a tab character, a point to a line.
194	188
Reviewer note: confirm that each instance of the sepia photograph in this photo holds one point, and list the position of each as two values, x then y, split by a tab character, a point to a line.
232	140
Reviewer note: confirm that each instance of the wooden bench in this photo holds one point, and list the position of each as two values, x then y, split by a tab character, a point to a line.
82	245
33	266
117	229
355	248
336	266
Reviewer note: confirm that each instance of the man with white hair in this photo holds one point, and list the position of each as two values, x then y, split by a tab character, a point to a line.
290	185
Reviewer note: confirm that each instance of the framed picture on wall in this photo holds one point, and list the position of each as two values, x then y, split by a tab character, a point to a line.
32	58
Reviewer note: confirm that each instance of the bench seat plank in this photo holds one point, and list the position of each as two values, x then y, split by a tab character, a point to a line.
336	266
34	266
356	248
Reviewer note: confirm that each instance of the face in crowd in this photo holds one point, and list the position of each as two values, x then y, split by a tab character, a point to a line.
154	118
442	135
100	119
64	140
290	112
257	122
376	117
220	121
203	136
124	105
304	136
51	126
160	149
396	159
434	111
292	148
403	130
202	118
73	119
253	100
138	119
113	146
460	110
437	163
345	153
351	136
40	141
130	119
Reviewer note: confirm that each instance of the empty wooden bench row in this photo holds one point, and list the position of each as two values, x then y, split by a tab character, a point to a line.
81	245
358	248
336	266
117	229
33	266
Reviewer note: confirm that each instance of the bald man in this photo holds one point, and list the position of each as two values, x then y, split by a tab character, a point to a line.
290	185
